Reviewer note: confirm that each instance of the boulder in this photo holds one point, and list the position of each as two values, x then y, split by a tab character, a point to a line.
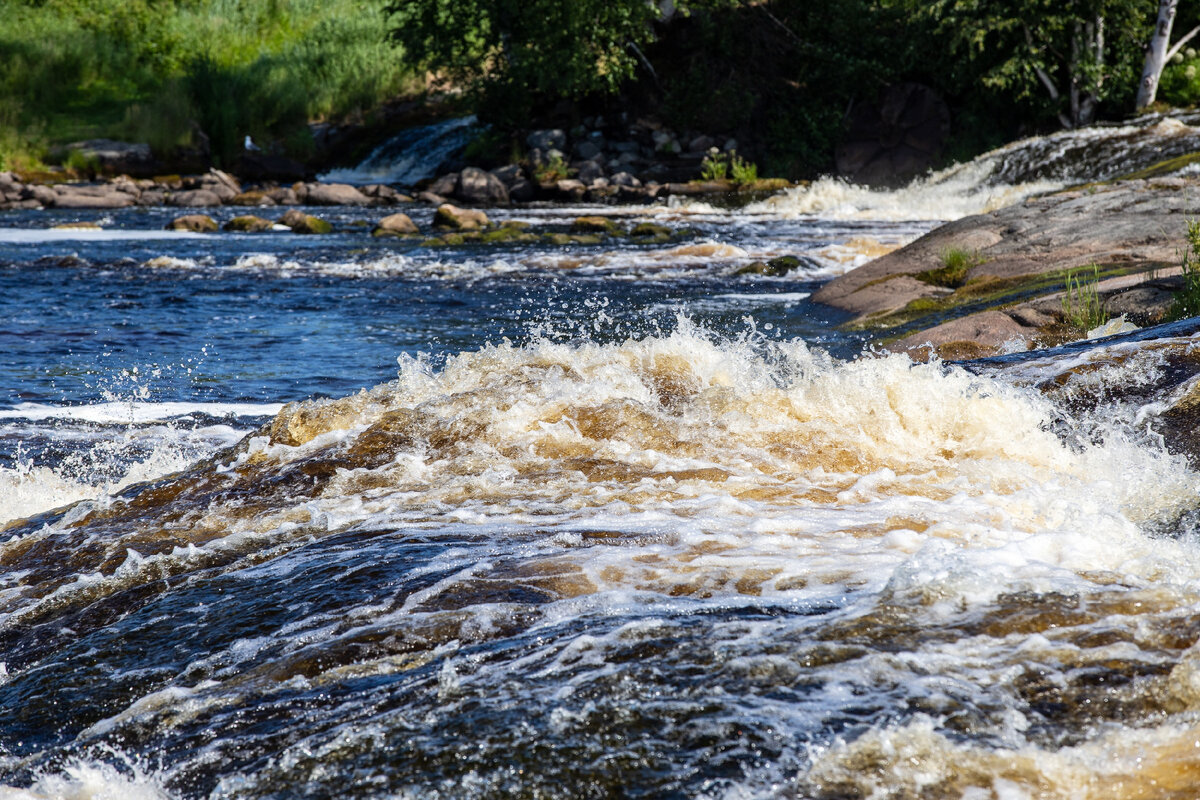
588	172
624	179
194	198
255	197
196	223
300	222
444	185
43	194
522	191
547	139
594	224
248	223
587	149
431	198
509	175
479	187
152	197
335	194
91	197
395	225
459	219
384	194
284	196
224	179
570	190
222	191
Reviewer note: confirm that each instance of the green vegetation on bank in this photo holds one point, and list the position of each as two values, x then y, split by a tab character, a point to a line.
175	73
804	88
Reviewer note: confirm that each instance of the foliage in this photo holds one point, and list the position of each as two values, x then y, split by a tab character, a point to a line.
1081	305
514	55
138	69
1057	59
740	170
1187	299
555	169
956	263
715	166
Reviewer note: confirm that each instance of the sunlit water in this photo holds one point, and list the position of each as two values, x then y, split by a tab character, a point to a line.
340	517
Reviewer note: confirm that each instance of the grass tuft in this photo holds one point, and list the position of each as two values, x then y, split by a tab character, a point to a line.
956	263
1081	305
1187	299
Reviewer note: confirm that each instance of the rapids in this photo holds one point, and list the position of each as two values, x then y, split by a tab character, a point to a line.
335	517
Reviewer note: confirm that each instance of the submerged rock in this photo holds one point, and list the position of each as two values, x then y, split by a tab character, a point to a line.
196	223
248	223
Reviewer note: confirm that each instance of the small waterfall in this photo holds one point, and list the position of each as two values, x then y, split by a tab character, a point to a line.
409	156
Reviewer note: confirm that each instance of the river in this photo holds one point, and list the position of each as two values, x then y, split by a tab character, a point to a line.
335	516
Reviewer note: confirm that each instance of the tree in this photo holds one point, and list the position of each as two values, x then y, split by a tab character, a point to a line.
1068	56
1157	54
513	54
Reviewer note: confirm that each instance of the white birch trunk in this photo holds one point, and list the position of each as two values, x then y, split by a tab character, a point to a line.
1156	56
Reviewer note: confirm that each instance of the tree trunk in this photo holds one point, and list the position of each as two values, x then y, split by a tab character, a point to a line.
1156	56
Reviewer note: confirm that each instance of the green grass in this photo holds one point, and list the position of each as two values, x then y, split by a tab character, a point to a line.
1081	305
160	73
956	263
1187	299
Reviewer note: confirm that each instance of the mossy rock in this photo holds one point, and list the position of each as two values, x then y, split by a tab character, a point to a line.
453	239
248	223
776	267
507	233
76	226
452	217
650	229
560	239
595	224
300	222
253	197
586	238
311	224
194	223
516	224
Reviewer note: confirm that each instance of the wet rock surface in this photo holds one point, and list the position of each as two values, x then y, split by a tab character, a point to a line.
1124	240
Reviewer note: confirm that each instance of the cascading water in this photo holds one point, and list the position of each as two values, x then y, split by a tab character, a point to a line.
624	521
411	155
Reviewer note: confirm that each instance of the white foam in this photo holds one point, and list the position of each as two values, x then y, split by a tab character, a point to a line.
50	235
125	412
91	781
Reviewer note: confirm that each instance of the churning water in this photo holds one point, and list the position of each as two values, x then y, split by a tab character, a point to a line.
335	517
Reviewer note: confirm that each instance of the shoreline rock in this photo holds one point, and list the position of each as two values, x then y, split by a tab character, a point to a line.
1011	268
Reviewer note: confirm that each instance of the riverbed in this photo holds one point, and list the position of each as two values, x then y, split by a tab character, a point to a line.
335	516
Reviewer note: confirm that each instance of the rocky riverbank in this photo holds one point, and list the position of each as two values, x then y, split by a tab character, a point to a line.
1018	277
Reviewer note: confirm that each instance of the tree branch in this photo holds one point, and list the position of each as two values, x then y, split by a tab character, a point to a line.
1182	41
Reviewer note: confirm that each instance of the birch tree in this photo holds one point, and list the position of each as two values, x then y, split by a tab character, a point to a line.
1158	54
1067	57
